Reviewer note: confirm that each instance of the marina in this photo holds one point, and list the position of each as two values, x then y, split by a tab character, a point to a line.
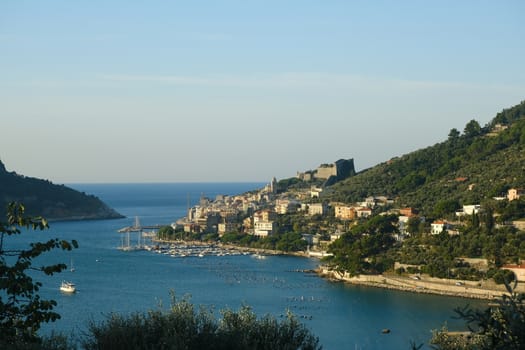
183	250
147	240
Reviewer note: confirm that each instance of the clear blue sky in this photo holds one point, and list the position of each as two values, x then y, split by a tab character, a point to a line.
169	91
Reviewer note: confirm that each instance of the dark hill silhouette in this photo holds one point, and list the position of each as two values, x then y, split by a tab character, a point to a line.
54	202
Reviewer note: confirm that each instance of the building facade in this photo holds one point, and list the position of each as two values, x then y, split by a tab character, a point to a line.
344	212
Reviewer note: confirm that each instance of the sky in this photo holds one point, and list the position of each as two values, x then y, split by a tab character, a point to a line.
227	91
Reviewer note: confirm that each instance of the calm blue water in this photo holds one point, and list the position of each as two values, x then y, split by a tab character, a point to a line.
108	280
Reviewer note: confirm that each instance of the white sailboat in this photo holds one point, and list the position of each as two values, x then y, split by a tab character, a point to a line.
71	267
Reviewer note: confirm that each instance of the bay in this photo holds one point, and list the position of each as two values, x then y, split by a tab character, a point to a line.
109	280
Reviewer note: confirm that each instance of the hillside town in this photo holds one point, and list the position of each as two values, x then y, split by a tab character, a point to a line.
256	213
259	214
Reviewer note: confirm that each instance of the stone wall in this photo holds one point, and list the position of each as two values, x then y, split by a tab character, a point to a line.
456	288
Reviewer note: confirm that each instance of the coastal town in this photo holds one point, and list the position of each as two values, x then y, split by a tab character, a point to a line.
262	175
258	215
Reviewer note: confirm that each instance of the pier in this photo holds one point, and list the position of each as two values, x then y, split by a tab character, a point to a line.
137	227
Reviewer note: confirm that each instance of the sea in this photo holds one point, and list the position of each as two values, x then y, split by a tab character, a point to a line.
110	280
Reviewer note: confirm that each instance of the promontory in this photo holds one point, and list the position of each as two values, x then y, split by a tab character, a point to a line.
54	202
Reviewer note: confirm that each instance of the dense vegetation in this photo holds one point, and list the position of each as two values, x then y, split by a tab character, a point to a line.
363	249
42	197
467	168
441	255
184	327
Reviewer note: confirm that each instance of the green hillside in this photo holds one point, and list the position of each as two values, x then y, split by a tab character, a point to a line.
469	167
54	202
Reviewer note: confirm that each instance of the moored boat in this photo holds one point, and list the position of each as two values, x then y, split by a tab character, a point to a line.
68	287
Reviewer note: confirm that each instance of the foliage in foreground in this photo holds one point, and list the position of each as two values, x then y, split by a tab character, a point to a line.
498	327
184	327
22	311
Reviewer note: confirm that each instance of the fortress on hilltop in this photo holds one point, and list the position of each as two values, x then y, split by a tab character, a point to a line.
338	170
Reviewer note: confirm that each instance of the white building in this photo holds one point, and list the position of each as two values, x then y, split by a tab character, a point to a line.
316	208
439	226
469	210
335	235
364	212
264	228
285	206
315	192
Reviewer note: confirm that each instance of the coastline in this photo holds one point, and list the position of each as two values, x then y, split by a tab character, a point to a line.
486	290
425	285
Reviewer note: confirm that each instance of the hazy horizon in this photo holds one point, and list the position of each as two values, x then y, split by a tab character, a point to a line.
236	91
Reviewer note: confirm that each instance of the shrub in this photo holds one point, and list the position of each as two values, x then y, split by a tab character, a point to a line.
501	326
185	327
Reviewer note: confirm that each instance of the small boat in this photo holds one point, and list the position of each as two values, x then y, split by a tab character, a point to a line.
71	267
67	287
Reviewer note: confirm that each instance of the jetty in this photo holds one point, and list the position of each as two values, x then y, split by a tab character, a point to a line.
137	227
151	232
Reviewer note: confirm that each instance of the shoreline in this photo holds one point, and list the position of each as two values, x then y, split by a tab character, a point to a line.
425	285
486	290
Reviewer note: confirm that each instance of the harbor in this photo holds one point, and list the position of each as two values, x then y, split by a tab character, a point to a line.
109	280
184	250
145	238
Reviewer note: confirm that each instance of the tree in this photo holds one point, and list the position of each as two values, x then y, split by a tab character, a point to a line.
165	232
445	207
472	129
361	250
413	225
291	242
21	309
497	327
487	217
453	134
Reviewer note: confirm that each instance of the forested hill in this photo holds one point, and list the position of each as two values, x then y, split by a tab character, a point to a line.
467	168
54	202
